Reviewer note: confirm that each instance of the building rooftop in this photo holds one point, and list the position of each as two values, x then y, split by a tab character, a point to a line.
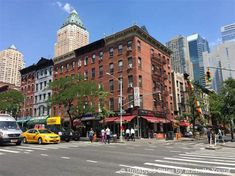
73	19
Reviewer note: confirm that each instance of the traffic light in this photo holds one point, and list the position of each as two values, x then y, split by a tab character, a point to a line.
208	75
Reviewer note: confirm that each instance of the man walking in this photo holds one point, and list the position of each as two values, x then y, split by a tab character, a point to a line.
108	134
91	134
103	136
127	134
132	134
209	135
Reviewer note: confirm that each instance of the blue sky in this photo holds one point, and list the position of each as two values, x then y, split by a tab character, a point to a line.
32	24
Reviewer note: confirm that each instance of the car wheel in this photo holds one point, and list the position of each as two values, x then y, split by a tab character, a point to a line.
25	140
39	140
18	143
67	140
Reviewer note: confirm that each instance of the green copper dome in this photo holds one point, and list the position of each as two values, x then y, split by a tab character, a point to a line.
74	19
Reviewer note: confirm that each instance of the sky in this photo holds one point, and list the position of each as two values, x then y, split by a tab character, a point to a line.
31	25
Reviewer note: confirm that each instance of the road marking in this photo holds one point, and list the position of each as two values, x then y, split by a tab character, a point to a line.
43	154
64	157
130	148
175	151
91	161
207	156
199	161
9	151
180	170
36	148
149	149
211	159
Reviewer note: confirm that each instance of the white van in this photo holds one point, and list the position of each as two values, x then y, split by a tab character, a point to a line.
9	130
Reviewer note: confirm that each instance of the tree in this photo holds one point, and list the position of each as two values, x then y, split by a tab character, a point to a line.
78	96
228	102
11	101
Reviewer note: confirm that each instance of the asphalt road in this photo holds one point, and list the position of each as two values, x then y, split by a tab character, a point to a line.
138	158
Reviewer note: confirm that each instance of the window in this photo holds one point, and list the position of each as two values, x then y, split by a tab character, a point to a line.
111	52
44	96
86	75
36	87
139	62
73	65
45	83
120	65
45	72
51	70
49	81
67	67
100	71
138	46
120	49
49	95
36	99
93	73
152	52
130	81
61	68
111	104
40	97
130	64
41	86
111	87
130	100
140	81
86	60
93	58
79	63
101	55
42	73
111	70
129	45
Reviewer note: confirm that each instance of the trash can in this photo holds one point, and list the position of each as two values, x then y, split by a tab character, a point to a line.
170	135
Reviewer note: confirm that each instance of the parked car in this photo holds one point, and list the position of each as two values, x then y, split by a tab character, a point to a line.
64	134
40	136
10	132
75	135
188	134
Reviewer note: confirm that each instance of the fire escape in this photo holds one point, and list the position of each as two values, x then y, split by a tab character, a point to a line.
160	93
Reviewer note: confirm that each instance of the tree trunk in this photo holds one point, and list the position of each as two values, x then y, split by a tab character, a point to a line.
70	117
231	129
194	119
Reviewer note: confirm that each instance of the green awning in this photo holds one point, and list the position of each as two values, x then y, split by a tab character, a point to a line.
38	120
24	120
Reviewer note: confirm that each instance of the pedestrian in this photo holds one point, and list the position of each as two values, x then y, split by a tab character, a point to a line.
127	134
132	134
103	136
220	134
209	135
108	134
91	135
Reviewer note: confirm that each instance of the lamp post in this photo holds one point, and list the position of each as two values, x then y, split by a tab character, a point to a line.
120	82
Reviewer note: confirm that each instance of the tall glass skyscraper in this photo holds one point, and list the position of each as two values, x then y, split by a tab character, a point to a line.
197	45
228	32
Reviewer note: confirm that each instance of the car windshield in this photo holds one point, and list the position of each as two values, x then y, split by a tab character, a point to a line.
44	131
8	125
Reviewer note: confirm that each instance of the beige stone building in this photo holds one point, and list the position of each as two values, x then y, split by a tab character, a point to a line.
11	61
71	35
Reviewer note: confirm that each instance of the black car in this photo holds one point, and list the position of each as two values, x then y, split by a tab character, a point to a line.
65	135
75	135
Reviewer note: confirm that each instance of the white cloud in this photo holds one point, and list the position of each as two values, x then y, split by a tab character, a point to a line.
66	7
59	3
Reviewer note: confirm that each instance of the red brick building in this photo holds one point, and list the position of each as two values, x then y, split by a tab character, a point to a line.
133	56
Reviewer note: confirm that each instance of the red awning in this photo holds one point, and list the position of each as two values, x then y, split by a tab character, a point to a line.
125	119
77	122
182	123
155	119
109	120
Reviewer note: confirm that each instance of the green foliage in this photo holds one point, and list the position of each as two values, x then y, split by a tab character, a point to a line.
77	95
11	101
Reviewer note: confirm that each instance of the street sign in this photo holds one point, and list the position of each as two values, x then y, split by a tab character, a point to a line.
136	96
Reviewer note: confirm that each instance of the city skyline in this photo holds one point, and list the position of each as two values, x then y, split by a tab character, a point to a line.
32	25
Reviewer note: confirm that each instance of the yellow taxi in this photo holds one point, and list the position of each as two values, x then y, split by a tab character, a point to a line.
40	136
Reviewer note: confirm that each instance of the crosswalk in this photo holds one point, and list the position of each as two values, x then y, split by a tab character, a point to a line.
202	162
28	148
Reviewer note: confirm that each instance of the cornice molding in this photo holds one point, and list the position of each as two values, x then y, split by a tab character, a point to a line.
63	58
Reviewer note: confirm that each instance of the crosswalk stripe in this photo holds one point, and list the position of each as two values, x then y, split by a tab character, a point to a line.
9	151
211	159
200	161
183	169
207	156
36	148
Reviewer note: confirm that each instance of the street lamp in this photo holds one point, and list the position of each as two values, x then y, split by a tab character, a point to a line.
120	82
